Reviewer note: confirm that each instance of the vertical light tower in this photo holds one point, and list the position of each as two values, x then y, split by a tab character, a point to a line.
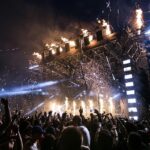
130	89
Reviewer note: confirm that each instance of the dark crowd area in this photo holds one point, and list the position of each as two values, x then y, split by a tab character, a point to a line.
52	131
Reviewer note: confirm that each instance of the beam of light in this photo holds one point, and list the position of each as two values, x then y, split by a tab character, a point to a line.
83	106
74	107
38	55
28	88
101	105
36	86
147	32
34	109
66	104
110	68
33	67
91	104
15	93
110	105
116	96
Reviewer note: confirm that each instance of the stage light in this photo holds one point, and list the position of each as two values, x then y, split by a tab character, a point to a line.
131	100
139	18
127	69
129	76
83	106
110	105
101	105
53	51
74	107
131	92
128	61
72	43
38	55
85	32
66	103
129	84
91	38
91	105
133	117
19	92
60	49
132	109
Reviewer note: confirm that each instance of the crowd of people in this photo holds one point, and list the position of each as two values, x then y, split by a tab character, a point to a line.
52	131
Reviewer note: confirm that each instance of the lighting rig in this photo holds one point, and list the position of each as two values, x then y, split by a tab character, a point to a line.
96	60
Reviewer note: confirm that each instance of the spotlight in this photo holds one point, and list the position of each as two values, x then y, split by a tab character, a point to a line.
129	84
128	61
129	76
131	100
131	92
127	69
132	109
133	117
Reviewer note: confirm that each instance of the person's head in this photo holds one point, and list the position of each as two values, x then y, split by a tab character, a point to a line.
77	120
134	141
37	132
71	139
104	141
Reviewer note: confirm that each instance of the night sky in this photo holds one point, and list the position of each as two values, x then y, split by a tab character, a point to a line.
26	24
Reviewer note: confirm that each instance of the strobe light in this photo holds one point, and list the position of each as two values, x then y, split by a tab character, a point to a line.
130	90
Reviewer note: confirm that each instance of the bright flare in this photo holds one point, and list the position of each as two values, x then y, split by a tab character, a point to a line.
90	38
74	107
38	55
83	106
66	104
65	40
101	105
106	30
110	105
139	18
91	104
85	32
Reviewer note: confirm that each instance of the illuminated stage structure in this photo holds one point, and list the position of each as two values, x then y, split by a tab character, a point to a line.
95	67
